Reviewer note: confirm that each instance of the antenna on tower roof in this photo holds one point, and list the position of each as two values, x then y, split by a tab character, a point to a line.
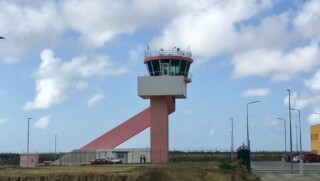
188	48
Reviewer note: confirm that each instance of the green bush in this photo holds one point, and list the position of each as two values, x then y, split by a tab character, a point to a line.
227	166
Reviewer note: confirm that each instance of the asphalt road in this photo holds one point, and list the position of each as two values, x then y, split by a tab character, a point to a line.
289	177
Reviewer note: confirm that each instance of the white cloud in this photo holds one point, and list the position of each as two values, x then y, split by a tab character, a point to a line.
314	118
3	120
95	99
269	47
314	83
42	122
277	64
303	100
92	23
210	26
27	26
255	93
99	21
308	19
57	79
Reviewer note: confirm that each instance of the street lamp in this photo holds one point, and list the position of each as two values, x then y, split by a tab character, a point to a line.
28	143
297	138
291	155
285	136
248	140
231	148
55	147
301	167
1	37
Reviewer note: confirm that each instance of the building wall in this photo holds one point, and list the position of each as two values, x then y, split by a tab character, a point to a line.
315	138
33	160
162	86
80	157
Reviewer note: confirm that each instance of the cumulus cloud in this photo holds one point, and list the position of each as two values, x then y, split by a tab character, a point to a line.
256	92
303	100
42	122
314	83
92	23
274	46
95	99
314	118
277	64
57	79
27	26
308	19
3	120
210	26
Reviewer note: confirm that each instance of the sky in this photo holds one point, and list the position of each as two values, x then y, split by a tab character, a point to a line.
72	66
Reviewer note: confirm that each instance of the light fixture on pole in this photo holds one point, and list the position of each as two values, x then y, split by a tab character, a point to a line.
28	143
248	140
1	37
291	154
285	136
301	161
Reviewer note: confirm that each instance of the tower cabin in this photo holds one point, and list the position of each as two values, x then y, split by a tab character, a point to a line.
169	63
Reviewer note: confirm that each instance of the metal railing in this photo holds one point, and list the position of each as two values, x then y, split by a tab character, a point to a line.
174	52
161	73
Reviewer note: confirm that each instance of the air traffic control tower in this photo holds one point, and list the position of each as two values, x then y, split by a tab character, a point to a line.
168	77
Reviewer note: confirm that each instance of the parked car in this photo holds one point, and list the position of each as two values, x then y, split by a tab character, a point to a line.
100	161
107	160
116	161
307	157
288	156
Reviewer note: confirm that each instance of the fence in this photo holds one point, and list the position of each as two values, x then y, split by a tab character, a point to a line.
260	161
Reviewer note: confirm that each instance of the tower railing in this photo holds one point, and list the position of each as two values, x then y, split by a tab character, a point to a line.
174	52
160	73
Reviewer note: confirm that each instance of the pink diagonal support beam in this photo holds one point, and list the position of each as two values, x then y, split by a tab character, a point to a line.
121	133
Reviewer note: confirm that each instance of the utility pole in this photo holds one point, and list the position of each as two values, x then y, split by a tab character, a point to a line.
28	143
231	149
291	155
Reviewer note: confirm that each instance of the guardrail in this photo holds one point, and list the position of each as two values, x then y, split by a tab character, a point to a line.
159	73
175	52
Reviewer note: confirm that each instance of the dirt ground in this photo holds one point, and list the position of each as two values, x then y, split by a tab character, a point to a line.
127	172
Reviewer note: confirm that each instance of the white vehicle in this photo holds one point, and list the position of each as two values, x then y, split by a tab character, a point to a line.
296	158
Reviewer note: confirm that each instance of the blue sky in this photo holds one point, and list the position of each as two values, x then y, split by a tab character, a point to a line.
72	67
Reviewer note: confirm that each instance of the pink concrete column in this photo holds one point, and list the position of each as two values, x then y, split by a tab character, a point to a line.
159	129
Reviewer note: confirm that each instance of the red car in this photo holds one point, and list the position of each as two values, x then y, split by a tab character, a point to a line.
101	161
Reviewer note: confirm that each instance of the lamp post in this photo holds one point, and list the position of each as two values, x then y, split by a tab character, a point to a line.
28	143
291	155
297	138
231	148
1	37
248	140
301	161
285	136
55	147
